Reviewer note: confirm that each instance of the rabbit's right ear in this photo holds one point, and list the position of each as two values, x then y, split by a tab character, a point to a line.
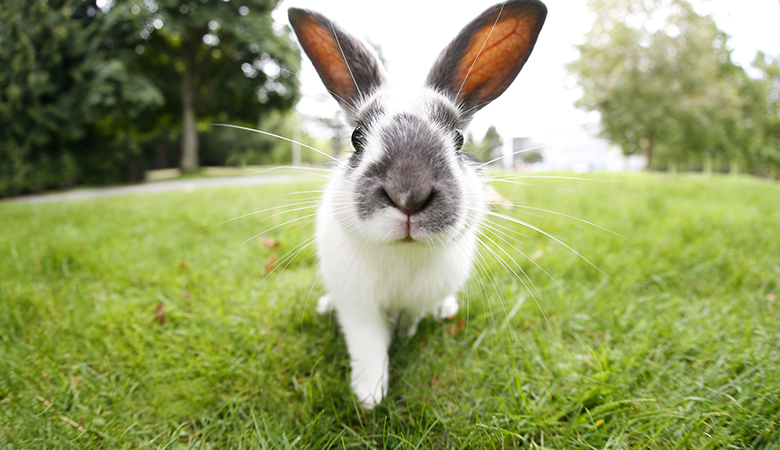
346	66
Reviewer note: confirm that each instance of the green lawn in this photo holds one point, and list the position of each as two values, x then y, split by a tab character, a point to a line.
128	322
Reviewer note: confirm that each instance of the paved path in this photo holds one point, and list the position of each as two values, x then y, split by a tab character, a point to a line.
156	187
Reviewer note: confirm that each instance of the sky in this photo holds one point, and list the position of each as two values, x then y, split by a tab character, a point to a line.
540	102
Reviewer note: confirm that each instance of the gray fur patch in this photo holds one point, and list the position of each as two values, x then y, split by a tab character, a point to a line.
413	170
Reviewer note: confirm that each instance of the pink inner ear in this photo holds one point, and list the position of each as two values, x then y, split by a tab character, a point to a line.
495	57
323	50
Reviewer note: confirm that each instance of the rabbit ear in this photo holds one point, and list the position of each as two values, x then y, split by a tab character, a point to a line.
346	66
486	56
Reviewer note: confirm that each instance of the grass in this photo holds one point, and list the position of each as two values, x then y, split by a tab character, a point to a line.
128	323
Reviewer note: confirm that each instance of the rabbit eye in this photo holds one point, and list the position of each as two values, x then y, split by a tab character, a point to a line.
458	139
358	139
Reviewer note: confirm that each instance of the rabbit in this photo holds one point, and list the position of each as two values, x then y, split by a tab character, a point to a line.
397	229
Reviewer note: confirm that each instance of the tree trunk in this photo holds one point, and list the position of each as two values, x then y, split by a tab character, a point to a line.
161	151
708	163
189	129
649	151
734	167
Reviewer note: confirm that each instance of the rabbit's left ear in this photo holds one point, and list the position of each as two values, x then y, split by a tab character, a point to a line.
486	56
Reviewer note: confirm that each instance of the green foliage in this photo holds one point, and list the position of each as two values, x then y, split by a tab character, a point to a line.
765	98
238	147
662	78
532	157
218	61
66	104
129	323
84	91
488	149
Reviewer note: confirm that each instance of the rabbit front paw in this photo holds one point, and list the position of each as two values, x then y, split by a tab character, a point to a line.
323	305
447	308
369	385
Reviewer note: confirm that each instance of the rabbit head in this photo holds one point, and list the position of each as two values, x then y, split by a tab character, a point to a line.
408	178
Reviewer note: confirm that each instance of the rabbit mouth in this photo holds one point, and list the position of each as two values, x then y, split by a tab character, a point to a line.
411	231
407	231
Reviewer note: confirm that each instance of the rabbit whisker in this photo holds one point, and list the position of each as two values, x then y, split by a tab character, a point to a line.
539	230
308	297
509	232
518	277
302	246
532	208
497	232
238	127
551	177
293	168
273	228
310	202
485	304
513	154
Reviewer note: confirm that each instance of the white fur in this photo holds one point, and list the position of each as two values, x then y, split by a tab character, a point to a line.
376	282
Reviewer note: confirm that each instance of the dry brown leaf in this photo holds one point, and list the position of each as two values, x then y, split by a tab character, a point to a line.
269	263
492	196
270	243
159	313
456	328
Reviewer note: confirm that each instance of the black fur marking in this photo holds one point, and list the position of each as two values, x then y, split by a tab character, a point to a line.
367	116
412	176
354	160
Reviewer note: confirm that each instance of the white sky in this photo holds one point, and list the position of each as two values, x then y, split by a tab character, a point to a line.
411	33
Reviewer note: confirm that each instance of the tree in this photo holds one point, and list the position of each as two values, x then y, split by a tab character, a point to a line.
532	157
66	99
661	77
214	61
765	114
486	149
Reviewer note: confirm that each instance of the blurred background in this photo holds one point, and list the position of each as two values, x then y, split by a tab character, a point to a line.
96	92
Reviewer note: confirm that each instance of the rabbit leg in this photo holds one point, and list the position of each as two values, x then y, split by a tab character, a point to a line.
447	308
368	337
323	305
444	311
411	328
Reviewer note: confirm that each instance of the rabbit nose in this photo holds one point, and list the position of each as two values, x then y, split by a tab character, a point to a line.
409	202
